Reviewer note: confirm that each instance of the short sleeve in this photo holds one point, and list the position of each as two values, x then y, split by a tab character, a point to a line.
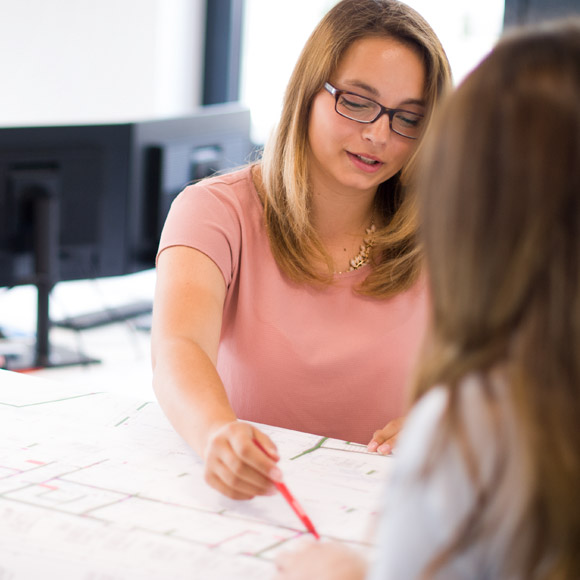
206	217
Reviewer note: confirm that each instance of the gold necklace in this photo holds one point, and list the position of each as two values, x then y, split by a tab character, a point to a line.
362	257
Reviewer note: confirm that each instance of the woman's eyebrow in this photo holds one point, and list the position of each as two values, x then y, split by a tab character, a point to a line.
370	89
419	102
364	86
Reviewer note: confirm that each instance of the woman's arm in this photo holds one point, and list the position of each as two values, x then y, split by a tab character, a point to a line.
187	317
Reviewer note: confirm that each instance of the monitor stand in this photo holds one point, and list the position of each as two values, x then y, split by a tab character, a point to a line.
21	356
107	316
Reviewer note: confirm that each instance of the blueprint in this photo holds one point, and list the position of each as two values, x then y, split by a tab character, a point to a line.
97	486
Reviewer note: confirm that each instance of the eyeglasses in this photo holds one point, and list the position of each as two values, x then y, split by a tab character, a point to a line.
363	110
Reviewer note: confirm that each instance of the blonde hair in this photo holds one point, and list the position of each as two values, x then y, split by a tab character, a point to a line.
500	211
284	179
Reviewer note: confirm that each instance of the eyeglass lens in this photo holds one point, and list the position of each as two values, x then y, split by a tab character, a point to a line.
364	110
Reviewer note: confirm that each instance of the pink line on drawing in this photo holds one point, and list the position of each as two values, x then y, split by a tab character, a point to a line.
52	487
230	538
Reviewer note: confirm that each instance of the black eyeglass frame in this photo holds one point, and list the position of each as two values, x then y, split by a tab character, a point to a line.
336	93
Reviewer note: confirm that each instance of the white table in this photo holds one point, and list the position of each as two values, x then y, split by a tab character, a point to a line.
97	486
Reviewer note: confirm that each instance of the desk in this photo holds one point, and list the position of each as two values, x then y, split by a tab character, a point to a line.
94	485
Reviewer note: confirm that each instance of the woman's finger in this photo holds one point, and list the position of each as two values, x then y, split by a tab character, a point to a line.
384	439
235	465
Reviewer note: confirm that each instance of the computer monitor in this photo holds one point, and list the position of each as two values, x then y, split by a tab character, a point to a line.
87	201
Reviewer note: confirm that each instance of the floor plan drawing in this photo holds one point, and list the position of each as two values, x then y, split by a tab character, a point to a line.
97	486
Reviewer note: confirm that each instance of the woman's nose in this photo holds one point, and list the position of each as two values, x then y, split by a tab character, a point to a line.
378	132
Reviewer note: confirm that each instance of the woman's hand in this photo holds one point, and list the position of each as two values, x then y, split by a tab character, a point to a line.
384	439
236	467
322	561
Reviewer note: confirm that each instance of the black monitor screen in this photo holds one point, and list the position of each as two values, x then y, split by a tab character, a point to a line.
111	184
84	170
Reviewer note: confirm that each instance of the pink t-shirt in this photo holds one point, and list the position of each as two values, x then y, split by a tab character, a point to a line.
325	361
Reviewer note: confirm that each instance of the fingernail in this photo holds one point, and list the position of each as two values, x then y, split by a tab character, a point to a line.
275	474
384	449
372	446
272	491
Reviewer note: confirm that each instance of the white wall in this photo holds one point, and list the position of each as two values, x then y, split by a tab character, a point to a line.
75	61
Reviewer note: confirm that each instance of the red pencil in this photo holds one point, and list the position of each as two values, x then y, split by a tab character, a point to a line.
291	499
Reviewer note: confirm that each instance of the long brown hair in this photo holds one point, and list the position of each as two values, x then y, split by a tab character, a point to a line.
284	179
500	213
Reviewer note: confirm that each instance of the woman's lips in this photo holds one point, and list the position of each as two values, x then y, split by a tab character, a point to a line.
366	163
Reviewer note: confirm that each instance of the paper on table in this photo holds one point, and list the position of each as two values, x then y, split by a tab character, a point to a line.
92	483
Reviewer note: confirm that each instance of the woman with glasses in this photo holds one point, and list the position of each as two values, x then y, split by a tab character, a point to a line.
487	478
289	292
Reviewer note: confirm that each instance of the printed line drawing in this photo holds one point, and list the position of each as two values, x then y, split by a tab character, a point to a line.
98	484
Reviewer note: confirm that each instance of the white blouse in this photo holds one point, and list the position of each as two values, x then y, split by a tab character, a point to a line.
422	514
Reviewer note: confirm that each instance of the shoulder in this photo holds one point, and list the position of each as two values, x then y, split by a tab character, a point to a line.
422	423
454	447
233	184
477	406
473	396
227	197
431	491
